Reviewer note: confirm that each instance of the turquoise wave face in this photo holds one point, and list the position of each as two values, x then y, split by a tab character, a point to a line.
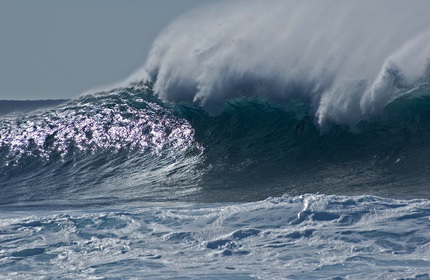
127	145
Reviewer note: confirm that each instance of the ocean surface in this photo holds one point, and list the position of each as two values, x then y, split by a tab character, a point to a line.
243	149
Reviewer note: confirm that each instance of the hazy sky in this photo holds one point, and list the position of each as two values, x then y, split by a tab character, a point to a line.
58	49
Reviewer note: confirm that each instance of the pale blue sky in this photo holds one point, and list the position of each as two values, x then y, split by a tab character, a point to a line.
58	49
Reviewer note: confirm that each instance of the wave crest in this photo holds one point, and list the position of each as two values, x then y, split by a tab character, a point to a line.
348	58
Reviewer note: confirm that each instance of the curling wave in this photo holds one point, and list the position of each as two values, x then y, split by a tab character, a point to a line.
128	145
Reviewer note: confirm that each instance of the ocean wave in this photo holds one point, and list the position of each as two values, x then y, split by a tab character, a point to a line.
261	140
128	145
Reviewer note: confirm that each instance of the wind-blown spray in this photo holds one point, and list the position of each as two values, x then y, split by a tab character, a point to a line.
349	59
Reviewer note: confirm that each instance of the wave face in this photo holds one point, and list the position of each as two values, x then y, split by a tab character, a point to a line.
127	145
348	59
121	141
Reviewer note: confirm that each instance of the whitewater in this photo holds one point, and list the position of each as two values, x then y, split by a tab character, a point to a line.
260	140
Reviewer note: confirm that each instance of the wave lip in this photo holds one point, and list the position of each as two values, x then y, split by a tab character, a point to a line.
349	59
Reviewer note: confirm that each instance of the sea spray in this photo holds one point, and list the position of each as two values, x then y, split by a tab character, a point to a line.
348	58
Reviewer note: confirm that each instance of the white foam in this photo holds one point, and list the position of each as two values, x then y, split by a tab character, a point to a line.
306	237
339	54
